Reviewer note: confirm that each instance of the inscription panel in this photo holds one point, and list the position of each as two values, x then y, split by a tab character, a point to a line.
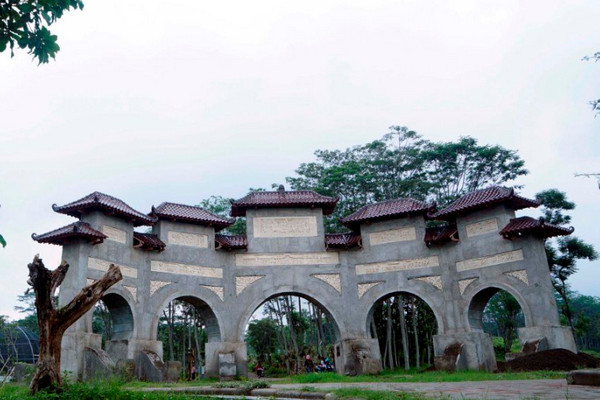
279	259
393	235
488	261
266	227
114	234
394	266
185	269
482	227
187	239
103	265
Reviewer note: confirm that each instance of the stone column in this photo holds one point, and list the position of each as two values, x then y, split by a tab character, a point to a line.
357	356
218	359
477	350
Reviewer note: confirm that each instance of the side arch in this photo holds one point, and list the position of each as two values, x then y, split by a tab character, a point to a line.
202	299
121	306
479	296
258	300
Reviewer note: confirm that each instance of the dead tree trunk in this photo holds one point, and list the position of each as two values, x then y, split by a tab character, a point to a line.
53	321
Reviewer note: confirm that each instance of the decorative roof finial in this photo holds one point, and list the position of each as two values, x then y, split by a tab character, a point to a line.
281	188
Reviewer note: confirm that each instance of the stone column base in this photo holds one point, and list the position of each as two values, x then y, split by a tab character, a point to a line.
477	352
71	356
214	349
357	356
558	337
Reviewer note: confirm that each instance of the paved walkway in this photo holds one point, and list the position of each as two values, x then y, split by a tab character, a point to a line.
542	389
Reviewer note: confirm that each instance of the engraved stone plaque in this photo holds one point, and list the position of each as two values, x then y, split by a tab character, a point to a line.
364	288
185	269
332	280
279	259
481	227
394	266
496	259
265	227
102	265
114	234
187	239
393	235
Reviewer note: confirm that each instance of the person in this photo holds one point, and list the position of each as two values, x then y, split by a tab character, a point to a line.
329	365
190	360
308	364
260	371
321	367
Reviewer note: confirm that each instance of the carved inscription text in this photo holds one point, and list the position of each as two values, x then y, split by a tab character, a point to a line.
185	269
278	259
481	227
393	235
114	234
400	265
187	239
265	227
496	259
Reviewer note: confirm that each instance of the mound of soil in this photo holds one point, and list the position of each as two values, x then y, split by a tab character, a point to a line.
550	360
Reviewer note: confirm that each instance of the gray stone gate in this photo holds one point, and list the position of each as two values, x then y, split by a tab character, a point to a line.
455	268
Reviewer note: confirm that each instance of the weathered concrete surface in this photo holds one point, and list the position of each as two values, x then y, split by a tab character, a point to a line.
357	356
456	280
588	377
97	364
149	367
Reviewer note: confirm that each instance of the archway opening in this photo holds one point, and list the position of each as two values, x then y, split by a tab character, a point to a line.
185	325
112	318
499	314
404	325
290	333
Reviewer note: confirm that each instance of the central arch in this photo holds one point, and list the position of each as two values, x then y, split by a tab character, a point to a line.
480	298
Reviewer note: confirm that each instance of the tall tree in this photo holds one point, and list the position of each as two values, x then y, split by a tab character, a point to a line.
564	253
25	24
403	164
594	103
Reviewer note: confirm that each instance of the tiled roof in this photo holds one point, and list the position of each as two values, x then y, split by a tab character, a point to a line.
148	241
526	225
485	198
231	242
77	229
106	203
438	235
342	240
282	198
389	209
193	214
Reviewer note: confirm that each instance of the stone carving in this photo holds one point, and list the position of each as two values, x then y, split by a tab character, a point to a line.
185	269
265	227
520	275
364	287
496	259
155	285
242	282
394	266
114	234
279	259
187	239
434	280
218	290
133	292
393	235
482	227
462	284
102	265
332	280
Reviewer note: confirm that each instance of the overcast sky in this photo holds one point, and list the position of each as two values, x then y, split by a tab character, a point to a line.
152	102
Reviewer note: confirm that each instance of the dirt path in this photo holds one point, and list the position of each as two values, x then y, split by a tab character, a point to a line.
546	389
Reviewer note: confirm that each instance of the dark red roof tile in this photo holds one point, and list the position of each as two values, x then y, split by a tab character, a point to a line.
148	241
484	198
342	240
389	209
282	198
192	214
530	226
103	202
438	235
67	233
231	242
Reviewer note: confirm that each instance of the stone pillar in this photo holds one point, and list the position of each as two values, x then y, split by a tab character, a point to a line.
357	356
478	350
558	337
73	345
239	351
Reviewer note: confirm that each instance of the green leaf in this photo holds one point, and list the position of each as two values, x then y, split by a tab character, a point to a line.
2	241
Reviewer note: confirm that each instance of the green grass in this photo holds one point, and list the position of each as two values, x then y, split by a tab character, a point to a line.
430	376
355	394
91	391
